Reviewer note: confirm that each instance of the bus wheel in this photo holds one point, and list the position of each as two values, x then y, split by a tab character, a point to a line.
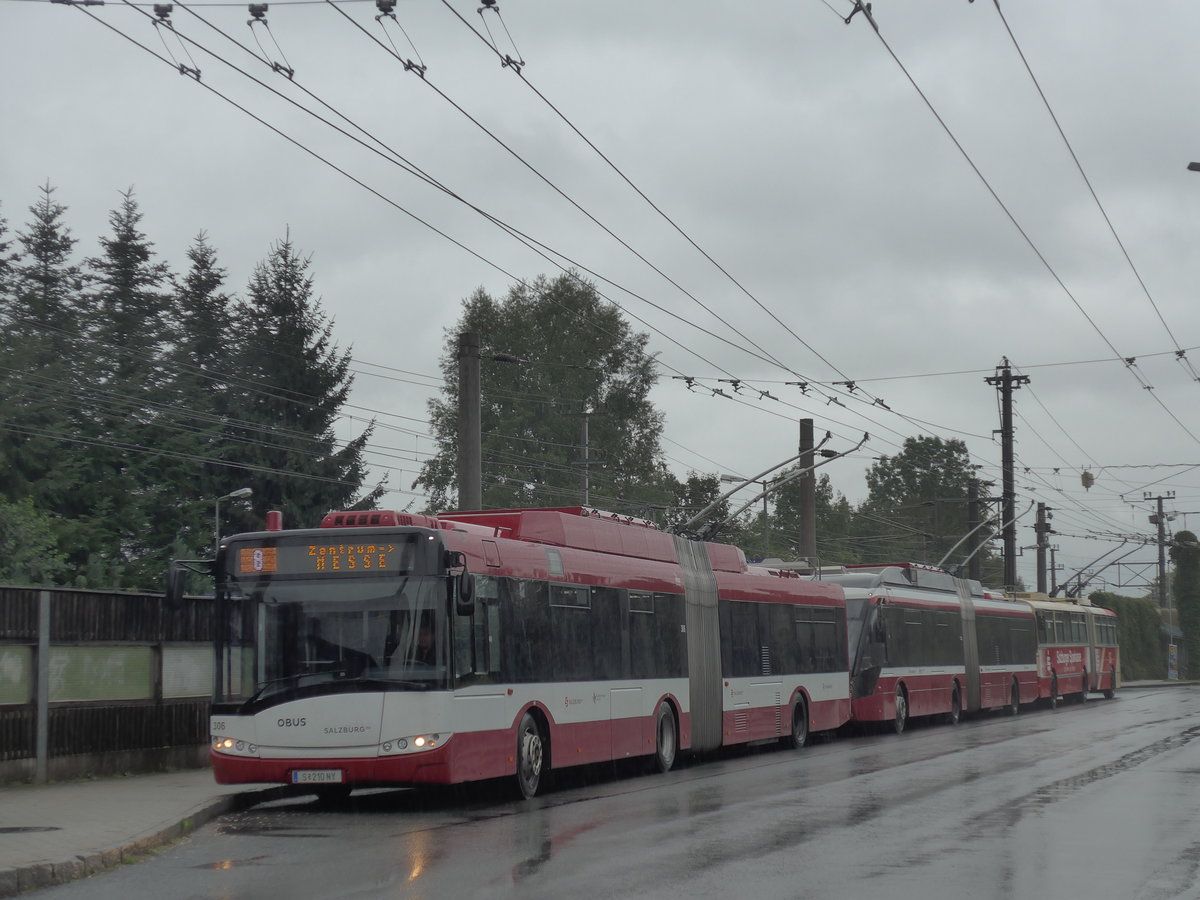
901	720
665	738
531	756
955	715
1111	690
1083	688
799	736
1014	699
1053	699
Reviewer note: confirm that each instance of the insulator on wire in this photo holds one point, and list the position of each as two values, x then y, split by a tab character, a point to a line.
506	60
257	10
163	10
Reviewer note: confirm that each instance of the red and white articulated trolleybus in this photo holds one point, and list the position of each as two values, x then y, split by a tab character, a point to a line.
387	648
1077	648
925	643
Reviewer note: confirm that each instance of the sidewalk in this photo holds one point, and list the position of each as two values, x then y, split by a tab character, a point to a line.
59	832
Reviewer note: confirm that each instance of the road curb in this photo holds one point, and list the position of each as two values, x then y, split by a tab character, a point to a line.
19	879
1184	682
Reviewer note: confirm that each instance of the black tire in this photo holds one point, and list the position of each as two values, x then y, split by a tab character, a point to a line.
799	734
901	720
666	738
1111	691
1052	702
955	715
532	755
1014	699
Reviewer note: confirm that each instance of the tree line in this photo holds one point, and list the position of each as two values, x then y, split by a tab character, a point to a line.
131	397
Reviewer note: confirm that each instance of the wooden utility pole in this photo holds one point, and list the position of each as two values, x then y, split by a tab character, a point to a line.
1160	520
1043	530
470	439
808	493
974	557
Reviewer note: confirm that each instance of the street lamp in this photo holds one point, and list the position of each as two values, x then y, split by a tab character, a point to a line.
470	432
734	479
239	494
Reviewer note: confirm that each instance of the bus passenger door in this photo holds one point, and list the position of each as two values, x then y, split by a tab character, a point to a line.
481	713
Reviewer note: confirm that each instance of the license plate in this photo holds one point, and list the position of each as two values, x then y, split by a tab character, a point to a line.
316	776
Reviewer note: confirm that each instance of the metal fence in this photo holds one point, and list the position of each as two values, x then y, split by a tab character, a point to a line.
101	682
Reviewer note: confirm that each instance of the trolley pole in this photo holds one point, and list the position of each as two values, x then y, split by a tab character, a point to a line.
1006	382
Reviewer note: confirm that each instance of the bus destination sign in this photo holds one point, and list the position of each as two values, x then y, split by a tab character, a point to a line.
324	559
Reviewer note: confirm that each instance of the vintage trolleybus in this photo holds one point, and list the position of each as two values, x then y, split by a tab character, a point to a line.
925	643
388	648
1077	648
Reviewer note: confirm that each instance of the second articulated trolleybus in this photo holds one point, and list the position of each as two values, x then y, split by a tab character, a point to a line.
390	648
925	643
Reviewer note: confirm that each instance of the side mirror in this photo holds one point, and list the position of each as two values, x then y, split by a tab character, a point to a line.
880	631
461	584
464	598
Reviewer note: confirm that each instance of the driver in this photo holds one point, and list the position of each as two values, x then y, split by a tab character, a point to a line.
425	650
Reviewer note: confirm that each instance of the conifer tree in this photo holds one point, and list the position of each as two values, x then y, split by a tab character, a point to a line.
198	364
121	481
286	393
38	342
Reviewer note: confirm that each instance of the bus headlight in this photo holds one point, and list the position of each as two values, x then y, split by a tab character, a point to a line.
416	743
233	746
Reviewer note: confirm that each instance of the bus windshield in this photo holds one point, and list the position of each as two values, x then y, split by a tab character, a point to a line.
382	633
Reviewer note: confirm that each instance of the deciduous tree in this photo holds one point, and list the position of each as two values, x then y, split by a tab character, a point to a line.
579	358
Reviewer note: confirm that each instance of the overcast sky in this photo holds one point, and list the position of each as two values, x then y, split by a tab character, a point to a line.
792	147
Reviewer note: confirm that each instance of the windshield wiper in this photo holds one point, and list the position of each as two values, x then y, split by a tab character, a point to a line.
284	678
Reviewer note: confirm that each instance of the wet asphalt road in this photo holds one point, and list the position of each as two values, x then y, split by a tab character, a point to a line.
1094	801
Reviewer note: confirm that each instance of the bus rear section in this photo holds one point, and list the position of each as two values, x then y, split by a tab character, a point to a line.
784	663
924	643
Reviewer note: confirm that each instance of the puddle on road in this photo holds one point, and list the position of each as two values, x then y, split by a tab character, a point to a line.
255	829
223	865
